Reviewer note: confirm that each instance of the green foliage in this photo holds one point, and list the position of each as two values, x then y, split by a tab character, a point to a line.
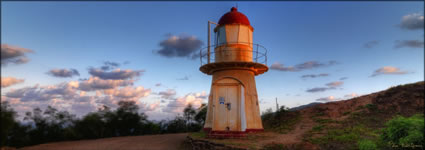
7	122
318	128
274	146
198	135
344	135
280	121
51	125
202	114
404	132
346	113
371	107
366	145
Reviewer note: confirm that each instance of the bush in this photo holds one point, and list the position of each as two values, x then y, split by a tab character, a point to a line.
371	107
404	132
274	146
366	145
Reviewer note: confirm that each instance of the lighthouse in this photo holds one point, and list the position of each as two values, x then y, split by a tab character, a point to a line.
233	61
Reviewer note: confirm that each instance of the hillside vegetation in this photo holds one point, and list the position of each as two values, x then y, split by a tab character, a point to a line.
390	119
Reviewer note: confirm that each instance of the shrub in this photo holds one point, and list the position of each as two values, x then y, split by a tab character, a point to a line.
366	145
274	146
404	132
317	128
371	107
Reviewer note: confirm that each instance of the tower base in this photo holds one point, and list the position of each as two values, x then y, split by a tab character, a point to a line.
229	134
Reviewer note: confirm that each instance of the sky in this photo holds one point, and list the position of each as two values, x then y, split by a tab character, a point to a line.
78	56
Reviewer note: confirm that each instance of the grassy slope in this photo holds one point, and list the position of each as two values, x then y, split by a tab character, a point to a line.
338	128
336	125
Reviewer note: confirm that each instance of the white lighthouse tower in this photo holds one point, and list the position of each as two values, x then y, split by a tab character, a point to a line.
233	107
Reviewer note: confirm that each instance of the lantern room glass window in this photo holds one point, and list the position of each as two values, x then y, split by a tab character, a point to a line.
234	34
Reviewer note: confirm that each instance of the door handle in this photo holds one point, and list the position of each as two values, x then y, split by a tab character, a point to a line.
229	106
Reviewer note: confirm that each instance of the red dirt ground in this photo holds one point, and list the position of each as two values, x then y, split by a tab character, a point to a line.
148	142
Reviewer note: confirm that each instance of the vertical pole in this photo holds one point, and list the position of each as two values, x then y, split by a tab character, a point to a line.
209	41
256	55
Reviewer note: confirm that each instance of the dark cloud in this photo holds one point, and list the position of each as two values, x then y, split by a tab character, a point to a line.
95	83
388	70
13	54
63	73
40	93
108	65
329	86
179	46
371	44
115	74
302	66
413	21
314	75
318	89
168	94
409	43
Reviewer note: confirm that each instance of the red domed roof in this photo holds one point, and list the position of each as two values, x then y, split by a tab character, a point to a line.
234	17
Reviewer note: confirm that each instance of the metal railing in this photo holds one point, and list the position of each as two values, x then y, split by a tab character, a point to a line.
259	53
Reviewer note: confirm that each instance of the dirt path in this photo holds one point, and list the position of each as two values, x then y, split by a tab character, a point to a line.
148	142
296	135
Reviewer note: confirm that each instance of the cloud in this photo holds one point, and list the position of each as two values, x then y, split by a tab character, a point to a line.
13	54
343	78
184	78
409	43
371	44
330	86
158	84
179	46
108	65
335	84
116	74
153	106
414	21
63	73
388	70
352	95
314	75
326	99
45	93
128	93
96	83
168	94
9	81
318	89
177	106
302	66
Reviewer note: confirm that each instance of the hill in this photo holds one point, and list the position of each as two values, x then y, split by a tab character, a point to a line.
334	125
304	106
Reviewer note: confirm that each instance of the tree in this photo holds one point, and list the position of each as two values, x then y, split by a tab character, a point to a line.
177	125
7	122
126	120
404	132
189	113
202	114
91	126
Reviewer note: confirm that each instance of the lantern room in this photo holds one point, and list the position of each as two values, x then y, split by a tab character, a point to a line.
233	37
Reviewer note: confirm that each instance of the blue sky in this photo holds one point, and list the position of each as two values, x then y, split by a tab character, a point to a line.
363	38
